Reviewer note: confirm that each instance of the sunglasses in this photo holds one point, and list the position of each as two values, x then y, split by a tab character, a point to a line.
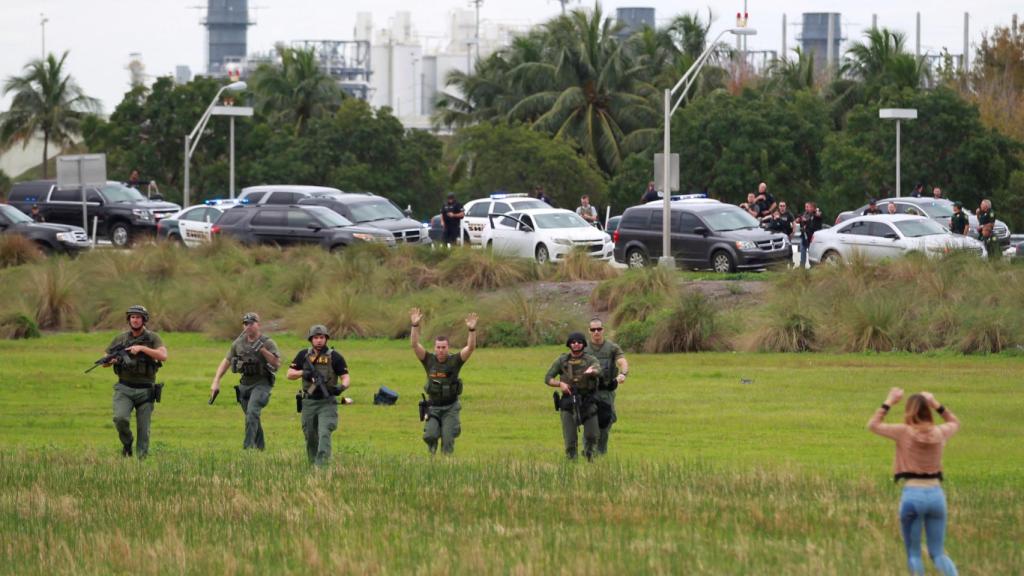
597	329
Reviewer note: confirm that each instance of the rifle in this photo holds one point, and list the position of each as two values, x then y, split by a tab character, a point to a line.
120	352
317	378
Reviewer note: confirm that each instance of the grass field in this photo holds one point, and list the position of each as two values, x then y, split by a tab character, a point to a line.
706	474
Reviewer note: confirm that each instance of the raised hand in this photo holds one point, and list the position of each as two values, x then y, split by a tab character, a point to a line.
930	399
415	315
471	321
895	394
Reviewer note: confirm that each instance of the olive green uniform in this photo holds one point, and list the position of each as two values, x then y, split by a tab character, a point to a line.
571	370
253	390
320	412
135	389
991	242
608	353
958	222
443	389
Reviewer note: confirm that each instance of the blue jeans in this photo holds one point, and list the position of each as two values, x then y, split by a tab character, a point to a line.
803	252
925	507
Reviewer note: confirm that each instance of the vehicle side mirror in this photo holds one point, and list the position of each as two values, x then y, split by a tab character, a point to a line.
314	226
700	230
892	236
526	228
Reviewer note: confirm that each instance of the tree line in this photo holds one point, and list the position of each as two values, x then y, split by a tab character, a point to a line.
576	107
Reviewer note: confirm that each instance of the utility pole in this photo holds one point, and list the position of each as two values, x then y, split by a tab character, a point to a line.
477	4
967	40
42	24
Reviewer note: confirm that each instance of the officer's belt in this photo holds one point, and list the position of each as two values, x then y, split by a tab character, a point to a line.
136	386
438	405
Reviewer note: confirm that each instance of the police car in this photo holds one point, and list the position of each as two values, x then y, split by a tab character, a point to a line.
545	234
192	225
477	210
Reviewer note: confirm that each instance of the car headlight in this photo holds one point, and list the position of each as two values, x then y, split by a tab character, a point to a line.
562	241
745	245
142	214
65	237
366	237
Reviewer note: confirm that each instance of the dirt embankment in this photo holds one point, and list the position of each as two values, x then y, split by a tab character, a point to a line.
727	294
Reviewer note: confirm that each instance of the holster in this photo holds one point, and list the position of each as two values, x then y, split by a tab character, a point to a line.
424	408
238	394
298	402
156	392
604	414
554	396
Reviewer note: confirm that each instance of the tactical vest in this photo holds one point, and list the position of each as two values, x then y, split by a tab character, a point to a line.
325	366
986	218
137	368
443	383
609	370
251	365
572	371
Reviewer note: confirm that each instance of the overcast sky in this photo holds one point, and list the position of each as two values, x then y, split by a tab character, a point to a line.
102	33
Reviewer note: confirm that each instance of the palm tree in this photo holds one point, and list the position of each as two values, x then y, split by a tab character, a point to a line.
588	90
788	75
297	90
45	100
882	61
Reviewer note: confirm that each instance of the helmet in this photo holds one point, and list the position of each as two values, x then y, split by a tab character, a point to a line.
318	330
137	309
576	337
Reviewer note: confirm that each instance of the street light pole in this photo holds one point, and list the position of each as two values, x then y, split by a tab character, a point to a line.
667	260
192	139
898	114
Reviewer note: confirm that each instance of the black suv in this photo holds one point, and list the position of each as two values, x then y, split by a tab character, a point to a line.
295	225
123	213
705	234
49	237
371	210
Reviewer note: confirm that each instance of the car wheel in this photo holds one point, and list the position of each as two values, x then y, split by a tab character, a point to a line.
490	246
832	257
722	262
177	239
543	257
465	238
120	235
636	258
337	248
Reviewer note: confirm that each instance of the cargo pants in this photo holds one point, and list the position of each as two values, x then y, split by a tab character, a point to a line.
253	399
125	400
442	422
591	432
319	421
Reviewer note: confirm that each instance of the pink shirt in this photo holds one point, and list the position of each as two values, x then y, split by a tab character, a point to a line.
918	449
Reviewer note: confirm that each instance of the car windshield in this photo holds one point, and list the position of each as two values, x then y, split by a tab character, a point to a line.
560	220
329	218
918	228
937	209
374	210
117	193
726	218
14	215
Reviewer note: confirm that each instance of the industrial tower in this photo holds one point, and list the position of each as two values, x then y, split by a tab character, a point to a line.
227	24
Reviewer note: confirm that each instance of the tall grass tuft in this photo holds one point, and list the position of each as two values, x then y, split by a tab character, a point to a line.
638	307
57	302
468	269
872	323
577	266
692	325
16	250
610	293
18	325
345	313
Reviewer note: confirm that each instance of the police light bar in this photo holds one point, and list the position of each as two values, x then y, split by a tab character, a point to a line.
501	195
688	196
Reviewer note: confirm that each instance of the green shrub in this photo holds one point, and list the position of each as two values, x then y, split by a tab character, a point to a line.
610	293
785	331
577	266
506	334
18	325
632	336
57	295
637	307
468	269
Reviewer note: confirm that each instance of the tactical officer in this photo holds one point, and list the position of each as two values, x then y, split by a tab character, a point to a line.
958	223
320	369
443	385
872	208
986	223
255	357
136	388
577	375
614	369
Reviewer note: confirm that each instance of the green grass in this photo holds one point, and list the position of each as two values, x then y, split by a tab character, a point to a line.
706	474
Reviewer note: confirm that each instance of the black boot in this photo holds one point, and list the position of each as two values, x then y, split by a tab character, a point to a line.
126	451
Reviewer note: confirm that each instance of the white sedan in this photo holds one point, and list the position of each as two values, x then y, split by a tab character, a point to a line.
475	221
546	234
886	236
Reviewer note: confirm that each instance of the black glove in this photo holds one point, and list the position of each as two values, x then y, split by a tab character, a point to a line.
259	343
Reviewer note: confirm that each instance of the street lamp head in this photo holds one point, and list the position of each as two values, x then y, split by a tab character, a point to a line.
236	86
744	31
